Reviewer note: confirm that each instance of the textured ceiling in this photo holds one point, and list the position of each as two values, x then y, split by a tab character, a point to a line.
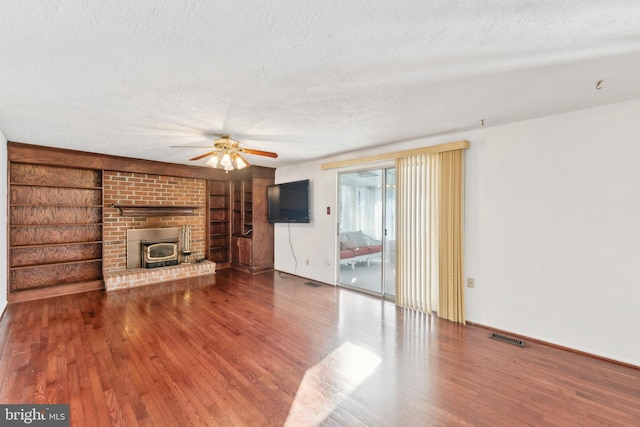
306	79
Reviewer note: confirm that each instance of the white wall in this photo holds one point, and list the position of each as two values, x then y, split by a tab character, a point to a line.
296	243
3	221
552	228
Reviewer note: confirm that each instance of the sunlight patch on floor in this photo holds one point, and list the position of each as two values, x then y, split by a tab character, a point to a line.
326	385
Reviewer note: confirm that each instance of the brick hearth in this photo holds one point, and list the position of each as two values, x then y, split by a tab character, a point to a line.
126	279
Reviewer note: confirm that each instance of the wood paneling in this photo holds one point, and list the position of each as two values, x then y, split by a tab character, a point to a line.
55	227
38	196
51	234
22	173
40	155
268	350
49	215
34	255
21	278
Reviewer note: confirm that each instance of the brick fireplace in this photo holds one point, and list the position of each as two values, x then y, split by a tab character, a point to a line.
125	188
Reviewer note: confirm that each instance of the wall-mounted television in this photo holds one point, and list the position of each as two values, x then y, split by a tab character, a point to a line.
289	202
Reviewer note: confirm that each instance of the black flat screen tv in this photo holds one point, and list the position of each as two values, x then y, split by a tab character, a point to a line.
289	202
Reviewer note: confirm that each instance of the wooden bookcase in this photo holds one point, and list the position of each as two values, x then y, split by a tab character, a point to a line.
55	227
252	234
242	207
219	223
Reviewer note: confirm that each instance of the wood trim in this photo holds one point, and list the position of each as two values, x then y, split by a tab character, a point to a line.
252	172
156	210
561	347
457	145
54	291
37	154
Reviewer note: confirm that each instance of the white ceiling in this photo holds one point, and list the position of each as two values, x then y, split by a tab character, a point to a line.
306	79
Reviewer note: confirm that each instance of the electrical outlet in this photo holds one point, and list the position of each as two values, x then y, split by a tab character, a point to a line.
307	262
470	282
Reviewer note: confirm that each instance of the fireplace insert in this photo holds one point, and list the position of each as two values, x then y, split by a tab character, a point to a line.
158	253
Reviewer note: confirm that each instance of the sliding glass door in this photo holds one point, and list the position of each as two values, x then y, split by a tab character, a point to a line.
367	231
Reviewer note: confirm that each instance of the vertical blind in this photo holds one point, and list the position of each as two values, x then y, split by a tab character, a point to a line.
416	268
430	264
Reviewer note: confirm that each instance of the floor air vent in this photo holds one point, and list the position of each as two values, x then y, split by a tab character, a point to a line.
315	285
507	339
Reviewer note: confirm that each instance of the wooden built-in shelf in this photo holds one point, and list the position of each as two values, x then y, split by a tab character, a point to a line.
218	218
50	264
57	244
251	233
54	290
68	224
156	210
79	187
55	230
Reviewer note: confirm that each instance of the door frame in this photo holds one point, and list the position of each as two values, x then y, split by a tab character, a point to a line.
383	168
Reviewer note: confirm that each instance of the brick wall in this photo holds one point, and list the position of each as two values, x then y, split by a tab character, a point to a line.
143	189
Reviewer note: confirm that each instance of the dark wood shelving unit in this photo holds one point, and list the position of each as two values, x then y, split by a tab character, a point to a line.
252	234
55	227
219	232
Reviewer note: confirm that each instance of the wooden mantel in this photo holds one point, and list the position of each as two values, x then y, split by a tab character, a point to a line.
156	210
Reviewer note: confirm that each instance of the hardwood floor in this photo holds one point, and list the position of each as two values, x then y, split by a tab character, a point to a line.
236	349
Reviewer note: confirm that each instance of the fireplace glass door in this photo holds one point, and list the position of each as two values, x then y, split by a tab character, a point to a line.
158	254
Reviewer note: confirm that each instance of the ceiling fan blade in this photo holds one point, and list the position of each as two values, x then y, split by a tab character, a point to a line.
202	156
259	152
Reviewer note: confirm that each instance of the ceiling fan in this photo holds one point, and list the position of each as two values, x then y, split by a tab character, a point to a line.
227	153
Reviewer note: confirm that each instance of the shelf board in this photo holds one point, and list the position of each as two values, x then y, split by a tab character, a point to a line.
56	206
91	242
156	210
55	186
71	224
55	290
51	264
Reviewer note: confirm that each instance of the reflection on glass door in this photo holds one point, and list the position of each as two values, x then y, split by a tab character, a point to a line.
365	232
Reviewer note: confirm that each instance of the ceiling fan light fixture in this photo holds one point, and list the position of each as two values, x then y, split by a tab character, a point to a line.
213	160
225	162
240	161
